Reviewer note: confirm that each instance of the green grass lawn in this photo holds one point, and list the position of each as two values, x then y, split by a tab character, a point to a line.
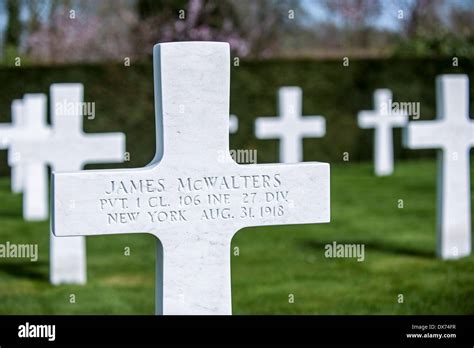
273	263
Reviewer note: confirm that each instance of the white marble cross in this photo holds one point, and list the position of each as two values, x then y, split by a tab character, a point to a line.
8	131
382	119
67	148
32	179
291	127
11	132
187	197
453	134
18	120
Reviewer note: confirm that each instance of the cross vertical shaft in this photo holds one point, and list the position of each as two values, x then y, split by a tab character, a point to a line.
18	119
453	205
383	150
203	286
35	199
184	94
382	119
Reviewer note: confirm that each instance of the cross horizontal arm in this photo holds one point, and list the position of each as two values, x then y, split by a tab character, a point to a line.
268	127
286	200
162	200
80	198
6	134
90	148
312	126
366	119
99	148
424	134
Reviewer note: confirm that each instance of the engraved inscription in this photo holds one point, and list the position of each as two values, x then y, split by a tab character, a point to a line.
183	199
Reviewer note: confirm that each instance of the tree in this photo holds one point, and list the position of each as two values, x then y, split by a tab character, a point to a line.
355	16
461	20
187	20
354	13
423	17
84	32
13	30
266	23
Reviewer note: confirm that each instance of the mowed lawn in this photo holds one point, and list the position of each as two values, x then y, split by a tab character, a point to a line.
278	270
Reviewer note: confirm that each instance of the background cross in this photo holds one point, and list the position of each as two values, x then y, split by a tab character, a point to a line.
290	127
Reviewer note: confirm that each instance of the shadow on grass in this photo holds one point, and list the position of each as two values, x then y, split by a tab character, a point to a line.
378	246
29	270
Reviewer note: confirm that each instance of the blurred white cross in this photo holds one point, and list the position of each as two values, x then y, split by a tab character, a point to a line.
382	119
31	115
290	127
64	148
453	134
9	132
233	124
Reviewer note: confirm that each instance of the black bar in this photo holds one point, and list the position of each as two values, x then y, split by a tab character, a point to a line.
328	330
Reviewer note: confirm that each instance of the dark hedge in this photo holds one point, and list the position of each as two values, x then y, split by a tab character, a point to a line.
123	99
